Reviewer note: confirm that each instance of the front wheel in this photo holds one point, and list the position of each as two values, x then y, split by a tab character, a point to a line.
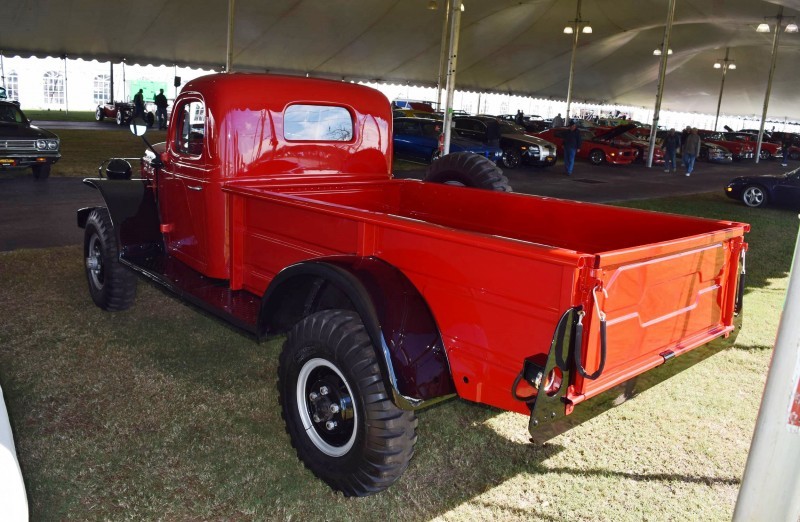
120	117
511	158
99	115
466	169
338	413
597	157
754	196
764	154
112	286
794	155
41	171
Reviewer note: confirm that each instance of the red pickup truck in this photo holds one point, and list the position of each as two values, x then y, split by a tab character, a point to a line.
273	206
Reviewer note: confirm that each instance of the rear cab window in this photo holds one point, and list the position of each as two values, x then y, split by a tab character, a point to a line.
317	123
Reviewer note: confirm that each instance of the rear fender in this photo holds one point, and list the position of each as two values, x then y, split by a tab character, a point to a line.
402	328
134	214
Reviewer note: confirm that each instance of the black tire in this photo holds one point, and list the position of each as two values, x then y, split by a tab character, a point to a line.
41	171
120	117
99	115
328	359
754	196
597	157
111	285
511	158
150	119
794	155
468	170
435	155
764	154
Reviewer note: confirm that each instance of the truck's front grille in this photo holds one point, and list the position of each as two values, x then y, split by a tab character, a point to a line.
18	144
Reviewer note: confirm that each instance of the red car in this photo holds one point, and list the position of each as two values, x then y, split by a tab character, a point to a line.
739	149
121	112
769	150
596	150
623	135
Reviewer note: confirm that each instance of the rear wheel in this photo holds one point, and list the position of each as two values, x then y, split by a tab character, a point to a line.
764	154
511	158
112	286
338	414
99	115
597	157
41	171
120	117
794	155
466	169
150	119
754	196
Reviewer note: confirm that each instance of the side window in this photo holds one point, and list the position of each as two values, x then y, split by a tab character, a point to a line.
190	138
408	127
317	123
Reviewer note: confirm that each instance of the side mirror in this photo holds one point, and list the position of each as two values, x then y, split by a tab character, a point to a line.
138	126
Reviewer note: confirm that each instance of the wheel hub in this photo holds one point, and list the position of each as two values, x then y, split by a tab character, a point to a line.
328	406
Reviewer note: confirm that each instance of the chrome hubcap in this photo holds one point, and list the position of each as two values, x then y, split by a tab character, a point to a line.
753	197
94	262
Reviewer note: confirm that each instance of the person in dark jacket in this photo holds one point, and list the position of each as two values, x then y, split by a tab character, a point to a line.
786	142
690	151
138	104
670	147
161	109
572	142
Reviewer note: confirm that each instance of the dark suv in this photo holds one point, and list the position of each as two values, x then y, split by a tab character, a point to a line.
517	146
24	145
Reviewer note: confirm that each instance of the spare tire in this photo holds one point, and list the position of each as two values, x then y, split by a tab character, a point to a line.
468	170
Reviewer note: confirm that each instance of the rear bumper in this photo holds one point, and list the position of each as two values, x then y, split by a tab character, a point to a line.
548	416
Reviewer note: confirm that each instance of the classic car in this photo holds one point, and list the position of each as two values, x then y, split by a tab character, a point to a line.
758	191
739	149
415	105
417	139
24	145
121	112
621	135
714	153
596	151
769	150
517	146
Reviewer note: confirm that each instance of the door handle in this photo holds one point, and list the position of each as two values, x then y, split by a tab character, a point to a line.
194	187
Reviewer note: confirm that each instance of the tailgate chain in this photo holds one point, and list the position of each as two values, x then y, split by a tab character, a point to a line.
579	338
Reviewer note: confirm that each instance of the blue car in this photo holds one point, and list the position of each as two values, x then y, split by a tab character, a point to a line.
417	139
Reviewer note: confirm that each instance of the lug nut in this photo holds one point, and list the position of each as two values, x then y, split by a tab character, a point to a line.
324	390
330	425
313	396
316	418
334	408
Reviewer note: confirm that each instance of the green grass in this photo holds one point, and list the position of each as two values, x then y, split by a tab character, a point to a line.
38	115
161	412
82	151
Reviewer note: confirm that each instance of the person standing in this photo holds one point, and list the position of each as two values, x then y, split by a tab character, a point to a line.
684	134
572	142
690	151
138	104
161	109
558	121
786	142
670	147
519	119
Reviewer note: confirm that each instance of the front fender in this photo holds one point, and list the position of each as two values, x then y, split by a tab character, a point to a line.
397	318
134	214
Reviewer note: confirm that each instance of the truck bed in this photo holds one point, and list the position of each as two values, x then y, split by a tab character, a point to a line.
498	270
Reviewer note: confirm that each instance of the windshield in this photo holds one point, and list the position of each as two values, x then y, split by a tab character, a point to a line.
11	114
506	127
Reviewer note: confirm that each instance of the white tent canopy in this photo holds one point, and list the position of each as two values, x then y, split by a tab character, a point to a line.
505	46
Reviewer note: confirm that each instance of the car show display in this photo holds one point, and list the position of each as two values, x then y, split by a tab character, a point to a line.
417	139
279	214
759	191
517	146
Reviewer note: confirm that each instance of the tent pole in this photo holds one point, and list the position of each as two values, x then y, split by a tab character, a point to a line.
66	93
575	32
769	81
229	53
442	57
455	27
111	79
662	73
722	86
771	478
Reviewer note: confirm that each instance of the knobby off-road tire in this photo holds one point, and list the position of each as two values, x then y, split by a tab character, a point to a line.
111	285
468	170
338	414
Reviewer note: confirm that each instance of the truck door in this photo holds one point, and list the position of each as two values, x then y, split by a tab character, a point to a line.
184	184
